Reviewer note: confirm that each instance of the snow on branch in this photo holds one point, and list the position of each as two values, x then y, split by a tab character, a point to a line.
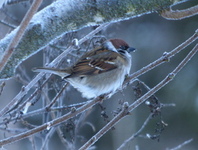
65	16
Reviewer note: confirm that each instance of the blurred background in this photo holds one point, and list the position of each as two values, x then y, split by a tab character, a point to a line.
151	35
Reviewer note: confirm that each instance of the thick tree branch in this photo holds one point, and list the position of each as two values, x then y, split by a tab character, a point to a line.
65	16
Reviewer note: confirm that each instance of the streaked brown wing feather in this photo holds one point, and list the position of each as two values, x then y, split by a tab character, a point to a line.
95	62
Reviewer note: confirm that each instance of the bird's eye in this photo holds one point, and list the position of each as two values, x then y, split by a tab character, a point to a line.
124	47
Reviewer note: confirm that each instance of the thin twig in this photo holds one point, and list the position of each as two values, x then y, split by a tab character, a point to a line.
41	111
12	111
50	123
107	127
64	141
2	85
13	44
165	81
47	138
142	127
7	24
57	96
135	134
181	145
33	142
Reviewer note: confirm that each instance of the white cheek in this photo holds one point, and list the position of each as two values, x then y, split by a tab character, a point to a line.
128	64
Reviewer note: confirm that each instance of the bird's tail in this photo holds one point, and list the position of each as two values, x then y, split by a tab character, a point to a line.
60	72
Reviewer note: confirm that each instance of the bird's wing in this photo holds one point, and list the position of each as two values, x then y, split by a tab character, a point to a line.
95	62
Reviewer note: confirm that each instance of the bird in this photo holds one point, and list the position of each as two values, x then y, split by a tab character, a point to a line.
99	71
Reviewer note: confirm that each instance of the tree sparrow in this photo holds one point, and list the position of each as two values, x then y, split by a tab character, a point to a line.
99	71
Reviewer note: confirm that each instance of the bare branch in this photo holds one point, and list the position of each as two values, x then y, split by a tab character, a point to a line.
47	138
134	135
107	127
142	99
44	110
165	81
49	124
57	96
20	32
141	129
165	58
180	14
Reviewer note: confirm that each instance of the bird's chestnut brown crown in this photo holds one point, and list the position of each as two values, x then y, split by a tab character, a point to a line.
120	44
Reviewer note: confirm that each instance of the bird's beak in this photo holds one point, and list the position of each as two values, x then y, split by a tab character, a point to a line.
131	49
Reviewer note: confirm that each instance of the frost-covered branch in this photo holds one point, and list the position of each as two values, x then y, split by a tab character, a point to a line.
66	16
180	14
